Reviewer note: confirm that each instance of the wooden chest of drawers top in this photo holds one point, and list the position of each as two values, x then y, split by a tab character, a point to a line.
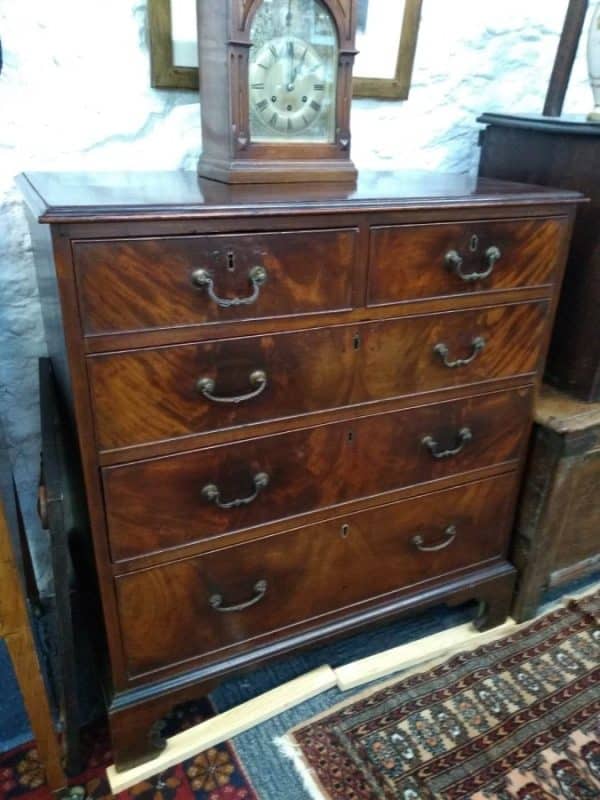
266	380
166	257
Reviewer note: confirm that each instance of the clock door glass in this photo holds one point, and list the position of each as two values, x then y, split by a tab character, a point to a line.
293	72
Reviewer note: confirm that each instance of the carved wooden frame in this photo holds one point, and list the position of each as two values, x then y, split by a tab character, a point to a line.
164	74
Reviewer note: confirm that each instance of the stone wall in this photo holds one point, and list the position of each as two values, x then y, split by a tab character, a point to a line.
75	94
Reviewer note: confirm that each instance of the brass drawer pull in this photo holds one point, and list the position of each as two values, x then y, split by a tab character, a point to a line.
443	351
216	600
450	534
455	262
202	279
212	493
258	379
464	436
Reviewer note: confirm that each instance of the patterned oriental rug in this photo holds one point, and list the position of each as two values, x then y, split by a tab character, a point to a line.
216	774
515	719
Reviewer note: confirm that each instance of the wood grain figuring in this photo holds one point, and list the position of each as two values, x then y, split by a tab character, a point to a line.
158	504
409	261
309	572
140	284
151	395
356	299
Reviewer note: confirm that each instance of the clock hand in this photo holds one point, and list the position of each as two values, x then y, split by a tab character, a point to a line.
288	18
291	73
298	67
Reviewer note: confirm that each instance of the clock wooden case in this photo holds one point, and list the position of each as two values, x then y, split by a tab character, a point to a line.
276	89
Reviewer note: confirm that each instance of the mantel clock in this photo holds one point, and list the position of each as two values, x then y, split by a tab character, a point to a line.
276	89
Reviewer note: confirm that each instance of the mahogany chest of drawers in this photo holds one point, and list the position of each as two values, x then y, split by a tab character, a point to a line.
300	410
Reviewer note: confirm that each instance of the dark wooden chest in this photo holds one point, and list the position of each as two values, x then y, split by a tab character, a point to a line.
558	531
560	152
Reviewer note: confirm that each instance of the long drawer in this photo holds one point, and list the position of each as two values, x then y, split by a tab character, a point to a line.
229	598
166	502
416	262
164	393
141	284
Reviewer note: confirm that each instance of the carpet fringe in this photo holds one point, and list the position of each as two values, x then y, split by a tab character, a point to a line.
290	750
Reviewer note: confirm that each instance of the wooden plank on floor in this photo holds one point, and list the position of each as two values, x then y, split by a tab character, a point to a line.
224	726
254	712
409	655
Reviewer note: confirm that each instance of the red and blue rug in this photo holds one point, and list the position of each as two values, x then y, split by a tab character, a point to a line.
517	718
216	774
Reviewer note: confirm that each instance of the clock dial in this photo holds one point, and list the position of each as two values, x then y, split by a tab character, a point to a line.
293	72
288	85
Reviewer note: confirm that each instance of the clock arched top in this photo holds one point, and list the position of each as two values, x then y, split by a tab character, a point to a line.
342	11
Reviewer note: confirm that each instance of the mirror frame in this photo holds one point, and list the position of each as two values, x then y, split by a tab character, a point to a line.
164	74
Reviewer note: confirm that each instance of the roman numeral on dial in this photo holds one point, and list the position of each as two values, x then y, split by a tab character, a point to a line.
262	105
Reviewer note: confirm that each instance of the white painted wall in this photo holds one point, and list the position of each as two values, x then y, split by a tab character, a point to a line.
75	94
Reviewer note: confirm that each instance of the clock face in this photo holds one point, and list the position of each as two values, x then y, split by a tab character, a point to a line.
293	72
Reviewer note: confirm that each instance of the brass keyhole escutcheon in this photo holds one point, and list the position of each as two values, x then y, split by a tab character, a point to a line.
474	243
345	532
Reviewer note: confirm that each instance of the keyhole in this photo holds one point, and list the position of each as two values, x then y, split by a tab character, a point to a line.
231	262
357	341
345	531
351	436
474	243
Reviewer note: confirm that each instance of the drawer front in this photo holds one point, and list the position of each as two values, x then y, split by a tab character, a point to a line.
164	393
180	611
167	502
415	262
140	284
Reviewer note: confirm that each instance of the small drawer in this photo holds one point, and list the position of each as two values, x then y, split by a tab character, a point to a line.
170	392
167	502
194	608
128	285
418	262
